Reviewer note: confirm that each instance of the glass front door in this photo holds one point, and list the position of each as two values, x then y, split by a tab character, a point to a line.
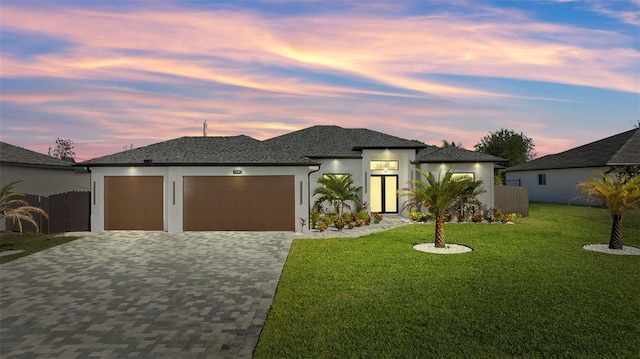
384	190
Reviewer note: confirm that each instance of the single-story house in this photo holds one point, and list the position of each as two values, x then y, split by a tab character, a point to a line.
39	174
240	183
553	178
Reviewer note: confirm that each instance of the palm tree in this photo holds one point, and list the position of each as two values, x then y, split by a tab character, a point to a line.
439	195
337	190
618	195
15	208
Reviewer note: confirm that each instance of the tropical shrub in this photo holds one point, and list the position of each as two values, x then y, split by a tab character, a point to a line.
339	191
477	218
377	217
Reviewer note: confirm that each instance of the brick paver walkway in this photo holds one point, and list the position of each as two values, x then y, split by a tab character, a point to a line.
142	295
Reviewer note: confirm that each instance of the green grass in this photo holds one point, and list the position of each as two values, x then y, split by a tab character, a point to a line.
526	291
29	242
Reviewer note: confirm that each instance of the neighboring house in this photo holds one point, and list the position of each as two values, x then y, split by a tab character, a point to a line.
240	183
39	174
553	178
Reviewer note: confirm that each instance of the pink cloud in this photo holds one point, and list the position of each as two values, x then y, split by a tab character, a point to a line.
389	50
242	55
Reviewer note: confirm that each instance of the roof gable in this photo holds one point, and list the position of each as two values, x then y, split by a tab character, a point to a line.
453	154
620	149
14	155
338	142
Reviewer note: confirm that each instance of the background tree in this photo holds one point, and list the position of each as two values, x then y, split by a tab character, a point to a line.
515	147
337	190
13	207
619	194
64	150
439	195
446	144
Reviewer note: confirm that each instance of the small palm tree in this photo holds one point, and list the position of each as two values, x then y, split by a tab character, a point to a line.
337	190
618	194
15	208
439	195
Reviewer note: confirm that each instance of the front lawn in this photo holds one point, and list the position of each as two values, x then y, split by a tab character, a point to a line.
527	290
29	243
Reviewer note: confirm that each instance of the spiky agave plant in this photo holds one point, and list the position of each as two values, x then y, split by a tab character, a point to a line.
15	208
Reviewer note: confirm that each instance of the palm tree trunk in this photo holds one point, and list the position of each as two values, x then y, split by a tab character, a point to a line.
615	242
439	243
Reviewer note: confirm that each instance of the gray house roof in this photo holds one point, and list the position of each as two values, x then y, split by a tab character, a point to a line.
17	156
338	142
621	149
434	154
297	148
201	151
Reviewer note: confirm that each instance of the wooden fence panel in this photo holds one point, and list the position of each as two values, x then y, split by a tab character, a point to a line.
34	201
511	199
68	212
43	222
78	211
58	213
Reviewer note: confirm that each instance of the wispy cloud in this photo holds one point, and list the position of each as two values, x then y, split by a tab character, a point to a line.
630	14
144	74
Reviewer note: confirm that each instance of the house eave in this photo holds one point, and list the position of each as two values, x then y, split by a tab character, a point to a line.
417	162
70	167
557	168
360	148
329	157
229	164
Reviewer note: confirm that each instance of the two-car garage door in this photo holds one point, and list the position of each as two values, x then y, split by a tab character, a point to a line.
247	203
210	203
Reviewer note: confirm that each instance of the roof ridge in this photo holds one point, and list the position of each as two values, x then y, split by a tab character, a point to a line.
620	152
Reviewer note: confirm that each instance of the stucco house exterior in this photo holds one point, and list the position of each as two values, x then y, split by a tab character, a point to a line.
39	174
553	178
240	183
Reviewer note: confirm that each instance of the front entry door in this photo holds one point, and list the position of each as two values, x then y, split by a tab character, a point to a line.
384	190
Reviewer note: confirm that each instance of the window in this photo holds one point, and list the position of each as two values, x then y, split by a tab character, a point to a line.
457	175
542	179
338	176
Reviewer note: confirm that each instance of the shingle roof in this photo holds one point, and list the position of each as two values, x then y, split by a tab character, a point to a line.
295	148
434	154
13	155
194	151
620	149
338	142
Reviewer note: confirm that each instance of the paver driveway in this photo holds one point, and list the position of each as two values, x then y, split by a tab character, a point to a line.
142	295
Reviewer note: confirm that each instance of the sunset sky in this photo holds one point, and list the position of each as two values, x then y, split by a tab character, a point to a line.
113	74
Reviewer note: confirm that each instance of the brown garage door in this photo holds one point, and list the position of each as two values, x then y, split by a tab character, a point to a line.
239	203
133	203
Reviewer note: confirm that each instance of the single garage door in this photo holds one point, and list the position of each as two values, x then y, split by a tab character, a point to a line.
133	203
239	203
